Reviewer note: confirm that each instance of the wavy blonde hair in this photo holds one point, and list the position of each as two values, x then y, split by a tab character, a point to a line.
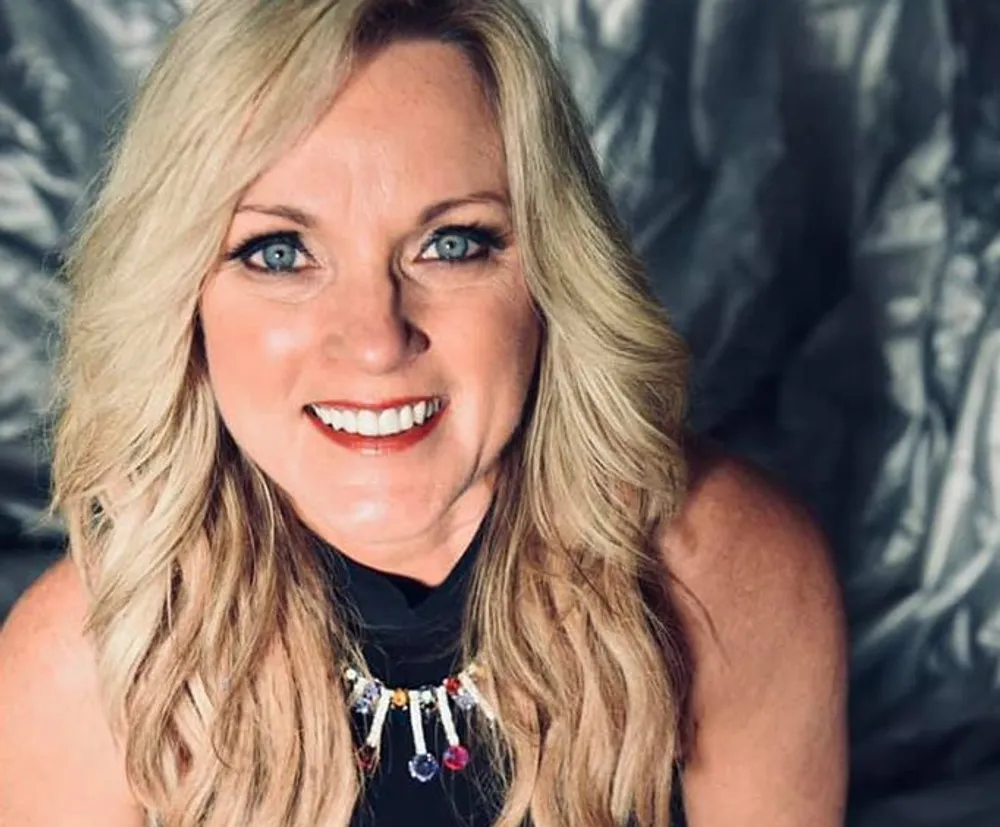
212	621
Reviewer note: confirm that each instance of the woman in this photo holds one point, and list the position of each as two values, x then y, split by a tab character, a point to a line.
372	467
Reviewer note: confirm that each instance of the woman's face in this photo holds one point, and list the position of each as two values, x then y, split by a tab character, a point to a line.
370	339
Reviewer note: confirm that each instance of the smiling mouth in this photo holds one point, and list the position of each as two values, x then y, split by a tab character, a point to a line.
379	429
382	421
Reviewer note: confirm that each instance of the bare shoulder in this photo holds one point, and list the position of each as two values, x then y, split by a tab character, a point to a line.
761	608
751	554
58	761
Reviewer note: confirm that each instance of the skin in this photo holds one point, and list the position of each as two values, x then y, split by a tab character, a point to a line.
767	708
768	702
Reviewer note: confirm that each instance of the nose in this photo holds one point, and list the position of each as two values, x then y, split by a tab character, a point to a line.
369	326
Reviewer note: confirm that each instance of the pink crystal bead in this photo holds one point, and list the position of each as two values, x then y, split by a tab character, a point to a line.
455	758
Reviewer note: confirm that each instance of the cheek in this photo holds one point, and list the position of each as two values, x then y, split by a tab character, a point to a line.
250	349
501	350
529	340
521	334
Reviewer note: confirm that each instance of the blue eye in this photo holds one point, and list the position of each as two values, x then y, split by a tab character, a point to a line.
279	255
272	253
454	245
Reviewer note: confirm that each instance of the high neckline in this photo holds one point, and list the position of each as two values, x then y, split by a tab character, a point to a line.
387	603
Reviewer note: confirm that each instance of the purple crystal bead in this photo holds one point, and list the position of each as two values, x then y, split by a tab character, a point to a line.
423	767
369	695
465	699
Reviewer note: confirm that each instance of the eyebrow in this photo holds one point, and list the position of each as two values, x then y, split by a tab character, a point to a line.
281	211
427	215
483	196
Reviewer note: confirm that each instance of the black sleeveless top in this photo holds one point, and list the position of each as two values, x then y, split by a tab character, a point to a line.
410	636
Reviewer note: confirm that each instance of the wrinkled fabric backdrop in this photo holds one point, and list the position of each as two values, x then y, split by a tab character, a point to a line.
813	184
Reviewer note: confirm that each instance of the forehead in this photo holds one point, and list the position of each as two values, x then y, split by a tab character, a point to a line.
411	123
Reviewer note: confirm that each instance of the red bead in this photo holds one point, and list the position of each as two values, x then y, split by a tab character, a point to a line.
455	758
452	685
367	757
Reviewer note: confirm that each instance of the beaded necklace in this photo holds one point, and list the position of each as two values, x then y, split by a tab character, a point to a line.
387	617
370	697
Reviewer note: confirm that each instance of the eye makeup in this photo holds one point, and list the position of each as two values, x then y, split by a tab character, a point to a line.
487	240
279	252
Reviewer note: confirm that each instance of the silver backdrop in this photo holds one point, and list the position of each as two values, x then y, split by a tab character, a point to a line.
814	186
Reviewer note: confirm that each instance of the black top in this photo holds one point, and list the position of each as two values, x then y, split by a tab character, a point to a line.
410	636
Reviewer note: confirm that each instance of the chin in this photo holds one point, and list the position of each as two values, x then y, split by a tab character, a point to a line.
365	521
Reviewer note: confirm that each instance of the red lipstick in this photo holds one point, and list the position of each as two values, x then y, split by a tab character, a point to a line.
377	445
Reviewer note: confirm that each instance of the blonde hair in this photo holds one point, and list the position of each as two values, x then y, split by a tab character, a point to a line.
216	638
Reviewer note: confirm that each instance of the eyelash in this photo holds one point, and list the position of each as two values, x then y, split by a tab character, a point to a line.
491	239
249	248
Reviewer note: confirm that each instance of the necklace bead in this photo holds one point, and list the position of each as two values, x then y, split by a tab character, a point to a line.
465	699
455	758
367	757
423	767
370	693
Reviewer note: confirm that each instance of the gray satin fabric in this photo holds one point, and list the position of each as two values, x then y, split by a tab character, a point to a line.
814	187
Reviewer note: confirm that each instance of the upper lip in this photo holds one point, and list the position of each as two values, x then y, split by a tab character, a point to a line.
381	405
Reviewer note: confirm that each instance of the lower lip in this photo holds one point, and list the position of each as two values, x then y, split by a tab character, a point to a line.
378	445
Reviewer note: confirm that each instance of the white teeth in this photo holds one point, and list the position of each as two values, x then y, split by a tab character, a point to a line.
349	421
388	422
367	423
378	423
405	418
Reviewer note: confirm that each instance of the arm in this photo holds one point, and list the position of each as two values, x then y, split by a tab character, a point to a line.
769	686
59	766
